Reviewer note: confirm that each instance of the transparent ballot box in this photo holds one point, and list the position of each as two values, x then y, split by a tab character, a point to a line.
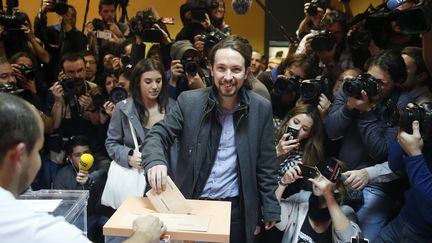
72	204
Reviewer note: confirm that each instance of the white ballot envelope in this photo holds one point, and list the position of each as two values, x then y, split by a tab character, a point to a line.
169	201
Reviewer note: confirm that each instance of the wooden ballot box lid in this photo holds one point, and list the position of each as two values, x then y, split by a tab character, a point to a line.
210	219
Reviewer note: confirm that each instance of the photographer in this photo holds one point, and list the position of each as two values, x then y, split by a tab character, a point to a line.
21	38
312	18
73	110
330	44
199	26
148	26
283	81
418	76
412	156
106	34
355	119
185	72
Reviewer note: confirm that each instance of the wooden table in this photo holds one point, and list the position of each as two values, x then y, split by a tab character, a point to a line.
218	212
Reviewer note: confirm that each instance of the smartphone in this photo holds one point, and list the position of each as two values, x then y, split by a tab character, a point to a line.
308	171
359	240
294	133
103	35
168	20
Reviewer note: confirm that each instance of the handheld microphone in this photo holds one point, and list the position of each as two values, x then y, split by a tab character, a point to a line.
86	162
240	7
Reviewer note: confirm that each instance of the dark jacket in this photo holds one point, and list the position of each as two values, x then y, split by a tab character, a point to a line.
365	138
417	210
193	121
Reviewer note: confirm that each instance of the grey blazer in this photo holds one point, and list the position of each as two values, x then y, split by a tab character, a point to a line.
119	140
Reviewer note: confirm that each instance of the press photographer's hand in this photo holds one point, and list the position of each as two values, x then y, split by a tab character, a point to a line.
412	144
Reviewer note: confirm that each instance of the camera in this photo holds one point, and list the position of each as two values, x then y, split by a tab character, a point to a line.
405	117
190	66
366	82
68	85
10	88
315	4
310	90
323	41
27	71
211	39
116	95
12	21
142	24
60	7
284	85
414	20
98	24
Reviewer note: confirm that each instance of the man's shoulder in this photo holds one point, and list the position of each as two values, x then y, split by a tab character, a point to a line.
194	95
33	226
255	98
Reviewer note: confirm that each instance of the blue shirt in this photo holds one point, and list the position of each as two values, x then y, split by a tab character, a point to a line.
223	180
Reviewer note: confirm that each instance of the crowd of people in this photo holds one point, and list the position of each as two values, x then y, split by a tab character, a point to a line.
329	143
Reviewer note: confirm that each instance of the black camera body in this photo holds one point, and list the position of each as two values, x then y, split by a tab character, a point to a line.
315	4
284	85
323	41
366	82
116	95
311	90
12	21
142	24
10	88
69	85
99	24
405	117
190	66
27	71
211	39
61	7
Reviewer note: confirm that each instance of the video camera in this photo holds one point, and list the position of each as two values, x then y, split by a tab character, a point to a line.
323	41
284	85
142	24
375	24
405	117
366	82
12	22
311	89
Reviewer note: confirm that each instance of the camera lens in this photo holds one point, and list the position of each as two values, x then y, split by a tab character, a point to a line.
117	94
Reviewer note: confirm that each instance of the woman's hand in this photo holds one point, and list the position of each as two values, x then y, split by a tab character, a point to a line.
135	160
284	147
292	175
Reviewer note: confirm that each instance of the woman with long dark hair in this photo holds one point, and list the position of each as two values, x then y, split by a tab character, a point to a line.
147	105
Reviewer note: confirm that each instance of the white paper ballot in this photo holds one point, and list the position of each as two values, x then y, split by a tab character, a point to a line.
183	222
45	205
169	201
